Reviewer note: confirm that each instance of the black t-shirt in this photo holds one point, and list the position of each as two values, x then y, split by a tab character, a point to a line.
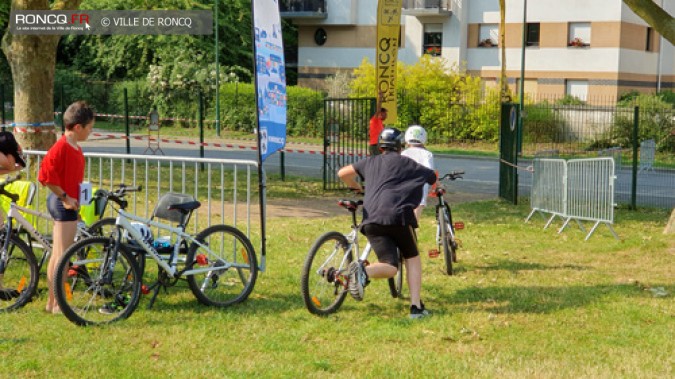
393	188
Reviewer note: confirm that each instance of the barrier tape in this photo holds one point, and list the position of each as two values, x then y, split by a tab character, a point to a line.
222	145
524	168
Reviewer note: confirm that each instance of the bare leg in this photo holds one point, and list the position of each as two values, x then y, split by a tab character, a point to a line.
381	270
414	270
63	236
418	212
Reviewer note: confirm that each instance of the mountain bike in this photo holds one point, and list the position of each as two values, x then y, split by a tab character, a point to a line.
19	268
325	273
99	281
445	228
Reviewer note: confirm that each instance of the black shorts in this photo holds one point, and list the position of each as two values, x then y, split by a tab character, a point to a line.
58	212
385	239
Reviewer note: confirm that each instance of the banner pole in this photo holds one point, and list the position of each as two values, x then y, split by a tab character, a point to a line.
261	172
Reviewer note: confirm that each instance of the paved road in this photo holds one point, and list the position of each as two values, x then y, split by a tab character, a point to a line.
482	175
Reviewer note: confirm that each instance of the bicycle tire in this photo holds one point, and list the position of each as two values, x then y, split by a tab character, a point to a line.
446	244
19	281
231	284
324	274
87	292
396	283
107	227
453	241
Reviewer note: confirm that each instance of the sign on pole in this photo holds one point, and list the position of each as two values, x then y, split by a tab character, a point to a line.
270	77
388	35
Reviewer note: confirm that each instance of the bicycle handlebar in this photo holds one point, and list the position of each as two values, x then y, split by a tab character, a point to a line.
453	175
14	197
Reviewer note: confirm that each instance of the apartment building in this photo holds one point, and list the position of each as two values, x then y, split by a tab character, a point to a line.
585	48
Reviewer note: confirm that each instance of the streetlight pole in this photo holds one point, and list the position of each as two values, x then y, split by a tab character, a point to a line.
217	73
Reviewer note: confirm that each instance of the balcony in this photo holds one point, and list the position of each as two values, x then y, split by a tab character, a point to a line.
422	8
303	9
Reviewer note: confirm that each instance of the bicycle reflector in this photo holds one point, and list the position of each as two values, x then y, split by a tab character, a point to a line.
459	225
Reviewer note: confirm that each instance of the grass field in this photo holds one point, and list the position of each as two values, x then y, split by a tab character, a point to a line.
525	303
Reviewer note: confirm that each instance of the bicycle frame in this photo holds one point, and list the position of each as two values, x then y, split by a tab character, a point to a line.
14	213
123	221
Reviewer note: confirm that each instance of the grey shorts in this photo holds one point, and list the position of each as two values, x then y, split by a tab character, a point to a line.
58	212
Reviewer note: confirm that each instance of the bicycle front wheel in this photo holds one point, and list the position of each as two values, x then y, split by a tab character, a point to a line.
232	264
447	239
325	274
97	282
18	274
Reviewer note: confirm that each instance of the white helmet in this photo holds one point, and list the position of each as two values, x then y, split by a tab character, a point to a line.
416	134
144	230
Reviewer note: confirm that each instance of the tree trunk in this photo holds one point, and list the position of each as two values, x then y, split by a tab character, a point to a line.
670	227
32	59
655	16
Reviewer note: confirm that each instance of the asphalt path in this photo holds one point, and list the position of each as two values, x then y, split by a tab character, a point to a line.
482	174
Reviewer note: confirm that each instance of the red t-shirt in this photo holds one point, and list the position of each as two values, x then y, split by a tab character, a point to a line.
63	166
376	128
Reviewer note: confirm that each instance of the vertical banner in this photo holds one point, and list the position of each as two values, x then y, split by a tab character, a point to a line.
270	77
388	39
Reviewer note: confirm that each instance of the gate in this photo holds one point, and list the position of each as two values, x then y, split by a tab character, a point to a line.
345	132
508	153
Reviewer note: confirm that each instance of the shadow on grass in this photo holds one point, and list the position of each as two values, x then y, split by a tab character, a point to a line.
515	266
541	299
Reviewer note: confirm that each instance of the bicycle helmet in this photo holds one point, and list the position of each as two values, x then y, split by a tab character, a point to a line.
416	134
144	230
390	139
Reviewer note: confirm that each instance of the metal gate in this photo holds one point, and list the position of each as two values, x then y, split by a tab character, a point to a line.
345	131
508	153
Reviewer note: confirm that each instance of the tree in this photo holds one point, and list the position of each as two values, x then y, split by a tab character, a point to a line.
655	16
32	59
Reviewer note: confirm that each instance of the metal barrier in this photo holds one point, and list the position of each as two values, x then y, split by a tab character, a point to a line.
223	186
578	189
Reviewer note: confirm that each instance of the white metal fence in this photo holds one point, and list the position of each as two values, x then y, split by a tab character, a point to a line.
225	187
578	189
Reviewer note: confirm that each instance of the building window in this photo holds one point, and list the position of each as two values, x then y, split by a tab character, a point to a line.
577	88
579	34
532	34
488	35
433	39
649	43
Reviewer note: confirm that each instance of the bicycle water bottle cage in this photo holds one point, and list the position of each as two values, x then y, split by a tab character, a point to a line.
350	205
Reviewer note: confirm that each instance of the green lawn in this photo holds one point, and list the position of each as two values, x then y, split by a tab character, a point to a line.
525	303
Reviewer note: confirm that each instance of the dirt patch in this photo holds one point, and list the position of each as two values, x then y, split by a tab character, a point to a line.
320	207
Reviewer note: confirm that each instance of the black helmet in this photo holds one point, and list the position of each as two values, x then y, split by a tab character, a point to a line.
390	139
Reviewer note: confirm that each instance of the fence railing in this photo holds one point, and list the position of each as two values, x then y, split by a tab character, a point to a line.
578	189
225	187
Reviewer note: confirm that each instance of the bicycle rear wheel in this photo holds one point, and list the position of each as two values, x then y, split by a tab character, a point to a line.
396	283
447	239
325	274
97	282
234	268
18	274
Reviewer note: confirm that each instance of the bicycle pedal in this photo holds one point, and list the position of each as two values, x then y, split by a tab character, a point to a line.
202	260
145	289
459	225
434	253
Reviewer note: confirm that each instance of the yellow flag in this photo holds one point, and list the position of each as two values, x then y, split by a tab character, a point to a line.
388	39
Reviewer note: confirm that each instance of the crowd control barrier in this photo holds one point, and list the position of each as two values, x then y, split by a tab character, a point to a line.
578	189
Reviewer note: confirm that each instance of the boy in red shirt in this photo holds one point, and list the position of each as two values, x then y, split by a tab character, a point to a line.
62	171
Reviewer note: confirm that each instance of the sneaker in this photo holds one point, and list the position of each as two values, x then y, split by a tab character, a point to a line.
416	312
107	309
358	279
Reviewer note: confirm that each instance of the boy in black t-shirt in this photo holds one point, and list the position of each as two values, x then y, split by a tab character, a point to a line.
394	191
